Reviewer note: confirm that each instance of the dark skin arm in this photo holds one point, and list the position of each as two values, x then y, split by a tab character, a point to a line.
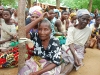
34	23
67	24
58	25
45	69
76	59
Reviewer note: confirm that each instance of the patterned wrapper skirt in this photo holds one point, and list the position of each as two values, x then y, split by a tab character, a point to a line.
34	64
67	55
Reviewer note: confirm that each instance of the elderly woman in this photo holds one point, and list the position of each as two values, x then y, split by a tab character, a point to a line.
73	51
47	51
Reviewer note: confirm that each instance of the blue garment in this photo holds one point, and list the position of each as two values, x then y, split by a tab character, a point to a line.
27	21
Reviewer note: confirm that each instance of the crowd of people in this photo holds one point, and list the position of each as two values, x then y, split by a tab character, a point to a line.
59	37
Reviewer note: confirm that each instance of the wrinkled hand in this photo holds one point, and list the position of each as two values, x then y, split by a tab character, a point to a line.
77	61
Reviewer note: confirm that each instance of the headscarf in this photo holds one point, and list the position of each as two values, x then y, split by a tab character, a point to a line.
81	12
57	11
92	15
72	14
38	12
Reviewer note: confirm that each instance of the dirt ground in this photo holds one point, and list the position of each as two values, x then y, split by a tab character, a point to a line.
91	65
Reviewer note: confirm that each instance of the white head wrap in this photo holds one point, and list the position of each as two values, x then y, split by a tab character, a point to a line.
81	12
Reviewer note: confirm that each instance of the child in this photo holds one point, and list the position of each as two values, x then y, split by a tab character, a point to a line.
9	27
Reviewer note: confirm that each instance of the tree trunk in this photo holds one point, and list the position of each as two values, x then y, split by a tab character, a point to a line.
0	19
57	4
21	32
29	3
90	5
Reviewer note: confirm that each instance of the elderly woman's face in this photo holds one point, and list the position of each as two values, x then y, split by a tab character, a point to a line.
44	31
84	20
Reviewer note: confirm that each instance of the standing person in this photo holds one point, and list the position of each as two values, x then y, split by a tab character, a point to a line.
47	51
73	51
9	27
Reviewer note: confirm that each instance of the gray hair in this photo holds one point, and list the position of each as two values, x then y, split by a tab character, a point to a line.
46	21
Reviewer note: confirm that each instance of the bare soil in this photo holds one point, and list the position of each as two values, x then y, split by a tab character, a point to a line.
91	65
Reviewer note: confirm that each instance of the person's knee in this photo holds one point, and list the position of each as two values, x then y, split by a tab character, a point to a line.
67	68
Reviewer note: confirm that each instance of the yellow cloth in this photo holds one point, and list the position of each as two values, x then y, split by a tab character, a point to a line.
36	59
72	14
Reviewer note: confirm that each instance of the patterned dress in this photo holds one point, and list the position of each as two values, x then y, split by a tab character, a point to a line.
42	57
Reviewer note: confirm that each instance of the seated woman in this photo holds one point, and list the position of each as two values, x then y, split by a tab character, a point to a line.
73	51
47	52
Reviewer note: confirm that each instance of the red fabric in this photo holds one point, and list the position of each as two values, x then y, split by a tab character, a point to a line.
29	50
2	61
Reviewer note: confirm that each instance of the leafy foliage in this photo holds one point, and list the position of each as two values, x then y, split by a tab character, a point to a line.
96	4
12	3
81	4
67	3
52	2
